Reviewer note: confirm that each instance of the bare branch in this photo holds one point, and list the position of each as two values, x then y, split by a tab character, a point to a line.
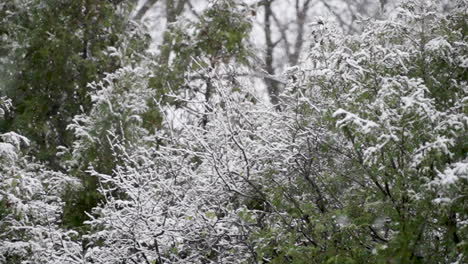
144	9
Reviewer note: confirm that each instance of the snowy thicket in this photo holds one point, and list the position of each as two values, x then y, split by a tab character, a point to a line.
31	207
363	160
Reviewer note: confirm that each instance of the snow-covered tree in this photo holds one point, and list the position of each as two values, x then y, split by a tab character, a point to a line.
381	133
31	207
180	157
53	49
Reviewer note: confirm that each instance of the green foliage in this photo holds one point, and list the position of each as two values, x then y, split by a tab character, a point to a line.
79	202
122	113
218	37
380	132
221	33
61	46
57	48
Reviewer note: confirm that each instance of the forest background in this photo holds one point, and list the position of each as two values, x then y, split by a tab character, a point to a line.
233	131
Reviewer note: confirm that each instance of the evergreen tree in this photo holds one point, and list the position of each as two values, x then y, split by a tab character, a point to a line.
58	47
